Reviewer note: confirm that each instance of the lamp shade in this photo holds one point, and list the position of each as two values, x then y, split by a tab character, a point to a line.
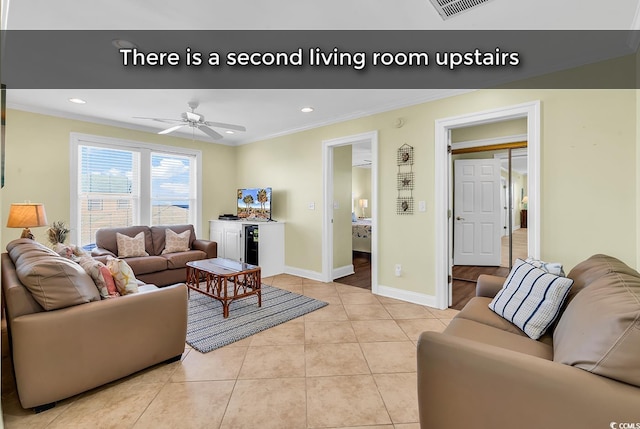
26	215
364	203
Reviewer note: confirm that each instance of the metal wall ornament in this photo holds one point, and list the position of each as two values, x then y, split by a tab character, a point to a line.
405	180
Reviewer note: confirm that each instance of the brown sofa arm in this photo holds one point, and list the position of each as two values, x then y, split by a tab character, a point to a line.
464	383
100	252
488	285
208	247
60	353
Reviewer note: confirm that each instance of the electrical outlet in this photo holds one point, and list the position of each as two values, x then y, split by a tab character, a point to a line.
398	270
422	206
312	206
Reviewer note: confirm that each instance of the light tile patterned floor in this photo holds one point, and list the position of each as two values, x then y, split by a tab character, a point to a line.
350	364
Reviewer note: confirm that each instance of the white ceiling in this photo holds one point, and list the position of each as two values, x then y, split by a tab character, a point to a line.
269	113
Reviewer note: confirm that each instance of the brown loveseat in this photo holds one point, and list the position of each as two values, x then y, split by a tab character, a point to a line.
157	268
65	340
484	372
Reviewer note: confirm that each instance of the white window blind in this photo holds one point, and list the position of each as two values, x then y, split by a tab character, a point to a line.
119	183
109	184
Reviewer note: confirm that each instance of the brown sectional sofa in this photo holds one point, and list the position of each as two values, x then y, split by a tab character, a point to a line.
158	269
65	340
484	372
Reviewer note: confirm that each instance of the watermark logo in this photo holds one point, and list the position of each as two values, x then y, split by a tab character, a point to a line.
624	425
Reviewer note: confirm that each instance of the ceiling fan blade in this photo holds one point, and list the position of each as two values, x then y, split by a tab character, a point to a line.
211	133
227	126
168	121
171	129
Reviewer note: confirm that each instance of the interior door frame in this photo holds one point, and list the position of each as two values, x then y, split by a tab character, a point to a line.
327	214
443	218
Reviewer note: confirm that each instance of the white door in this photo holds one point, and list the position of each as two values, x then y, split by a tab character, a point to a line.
476	212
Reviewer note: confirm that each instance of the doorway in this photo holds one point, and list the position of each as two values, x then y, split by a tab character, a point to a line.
332	206
489	209
443	215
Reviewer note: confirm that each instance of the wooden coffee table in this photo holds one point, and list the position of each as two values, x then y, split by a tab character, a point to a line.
225	280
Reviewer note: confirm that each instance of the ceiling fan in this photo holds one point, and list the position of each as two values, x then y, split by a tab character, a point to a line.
195	121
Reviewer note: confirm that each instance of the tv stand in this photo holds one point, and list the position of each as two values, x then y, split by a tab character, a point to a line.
230	236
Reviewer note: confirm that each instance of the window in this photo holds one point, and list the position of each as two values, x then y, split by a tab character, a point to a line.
120	183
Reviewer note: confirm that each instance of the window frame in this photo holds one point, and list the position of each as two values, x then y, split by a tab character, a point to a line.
145	151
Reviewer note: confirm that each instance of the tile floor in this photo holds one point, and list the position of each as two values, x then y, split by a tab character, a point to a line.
349	364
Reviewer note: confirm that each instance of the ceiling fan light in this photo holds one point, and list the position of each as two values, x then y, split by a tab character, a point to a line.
229	132
307	109
77	101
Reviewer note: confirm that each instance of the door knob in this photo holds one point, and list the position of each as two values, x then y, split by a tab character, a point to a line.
459	218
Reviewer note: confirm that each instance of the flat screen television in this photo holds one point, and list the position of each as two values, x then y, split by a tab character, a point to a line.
254	203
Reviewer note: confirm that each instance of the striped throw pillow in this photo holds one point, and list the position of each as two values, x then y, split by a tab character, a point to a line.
531	298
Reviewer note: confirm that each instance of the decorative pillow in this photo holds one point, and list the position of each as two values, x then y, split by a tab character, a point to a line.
550	267
175	242
101	276
531	298
130	246
123	276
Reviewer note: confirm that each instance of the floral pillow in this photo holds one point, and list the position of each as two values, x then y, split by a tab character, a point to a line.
130	246
101	276
175	242
123	276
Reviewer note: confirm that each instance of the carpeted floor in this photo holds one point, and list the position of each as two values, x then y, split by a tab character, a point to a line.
208	330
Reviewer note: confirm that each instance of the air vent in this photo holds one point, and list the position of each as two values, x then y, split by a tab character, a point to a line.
451	8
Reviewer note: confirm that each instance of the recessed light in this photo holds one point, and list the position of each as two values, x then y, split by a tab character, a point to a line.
307	109
77	100
229	132
123	44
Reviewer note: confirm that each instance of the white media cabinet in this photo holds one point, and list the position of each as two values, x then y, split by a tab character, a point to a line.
230	236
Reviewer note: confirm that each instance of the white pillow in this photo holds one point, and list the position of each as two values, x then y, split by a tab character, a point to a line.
130	246
550	267
175	242
531	298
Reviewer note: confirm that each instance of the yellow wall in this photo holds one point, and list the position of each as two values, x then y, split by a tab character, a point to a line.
588	178
342	246
37	166
513	127
588	143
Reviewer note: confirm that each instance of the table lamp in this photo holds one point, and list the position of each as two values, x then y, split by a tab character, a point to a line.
364	204
525	202
26	215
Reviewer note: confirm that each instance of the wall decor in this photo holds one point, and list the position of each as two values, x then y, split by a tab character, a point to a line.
405	180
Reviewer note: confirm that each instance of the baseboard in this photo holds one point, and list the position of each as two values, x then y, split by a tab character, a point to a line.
307	274
347	270
406	295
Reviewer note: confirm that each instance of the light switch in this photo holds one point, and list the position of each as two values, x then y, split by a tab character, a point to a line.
336	205
312	206
422	206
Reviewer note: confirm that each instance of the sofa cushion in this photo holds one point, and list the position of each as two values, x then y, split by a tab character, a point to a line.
130	246
147	264
592	269
476	310
179	260
482	333
54	282
600	329
531	298
106	237
159	235
175	242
